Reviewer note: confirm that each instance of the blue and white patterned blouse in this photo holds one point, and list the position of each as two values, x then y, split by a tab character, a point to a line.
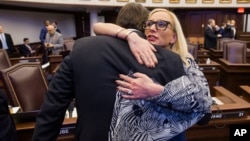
182	104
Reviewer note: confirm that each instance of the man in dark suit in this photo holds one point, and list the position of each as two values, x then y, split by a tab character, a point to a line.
88	74
8	129
6	42
25	49
210	36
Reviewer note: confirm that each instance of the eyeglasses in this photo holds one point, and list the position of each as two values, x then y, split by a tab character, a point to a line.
160	25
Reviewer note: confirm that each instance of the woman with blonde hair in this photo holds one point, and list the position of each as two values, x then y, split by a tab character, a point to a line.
145	110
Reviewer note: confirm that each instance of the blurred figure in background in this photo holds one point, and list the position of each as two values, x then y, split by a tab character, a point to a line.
56	27
25	49
228	32
43	31
233	28
54	40
6	42
210	36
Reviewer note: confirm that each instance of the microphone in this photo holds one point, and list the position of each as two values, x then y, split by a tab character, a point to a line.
71	108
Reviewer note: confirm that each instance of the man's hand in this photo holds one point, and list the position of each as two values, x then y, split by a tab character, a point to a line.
49	45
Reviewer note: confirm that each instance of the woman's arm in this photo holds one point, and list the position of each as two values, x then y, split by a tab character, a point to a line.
188	93
140	48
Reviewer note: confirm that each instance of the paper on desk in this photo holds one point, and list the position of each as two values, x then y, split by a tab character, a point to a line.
14	110
217	101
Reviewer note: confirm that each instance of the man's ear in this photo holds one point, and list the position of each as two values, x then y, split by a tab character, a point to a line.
173	40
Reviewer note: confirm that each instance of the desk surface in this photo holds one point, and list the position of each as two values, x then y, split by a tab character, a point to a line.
31	124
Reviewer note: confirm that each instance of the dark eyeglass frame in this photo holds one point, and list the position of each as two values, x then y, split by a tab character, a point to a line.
157	24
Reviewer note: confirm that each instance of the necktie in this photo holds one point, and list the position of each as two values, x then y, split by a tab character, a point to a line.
1	45
4	44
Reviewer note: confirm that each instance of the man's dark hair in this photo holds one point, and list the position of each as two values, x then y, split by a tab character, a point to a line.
25	39
132	15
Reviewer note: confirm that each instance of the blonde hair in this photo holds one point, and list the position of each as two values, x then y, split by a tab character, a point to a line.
180	46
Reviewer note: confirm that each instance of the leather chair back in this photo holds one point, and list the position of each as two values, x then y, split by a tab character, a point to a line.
4	59
193	49
69	45
4	63
235	51
220	43
26	85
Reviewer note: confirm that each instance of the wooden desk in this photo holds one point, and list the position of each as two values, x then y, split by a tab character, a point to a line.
245	92
202	55
215	54
54	60
26	59
218	128
212	73
234	75
25	130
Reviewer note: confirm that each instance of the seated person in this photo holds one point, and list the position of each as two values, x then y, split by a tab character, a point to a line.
26	49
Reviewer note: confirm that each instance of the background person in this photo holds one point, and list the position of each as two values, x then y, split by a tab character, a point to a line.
210	36
43	31
54	23
25	49
233	27
228	32
6	42
53	40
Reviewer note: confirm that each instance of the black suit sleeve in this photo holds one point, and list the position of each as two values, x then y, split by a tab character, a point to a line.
210	33
58	98
8	130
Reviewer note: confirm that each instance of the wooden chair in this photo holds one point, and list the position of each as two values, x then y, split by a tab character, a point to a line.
26	85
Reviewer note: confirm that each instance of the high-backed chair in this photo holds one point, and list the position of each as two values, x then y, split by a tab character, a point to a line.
69	44
4	59
4	63
193	49
26	85
221	42
235	51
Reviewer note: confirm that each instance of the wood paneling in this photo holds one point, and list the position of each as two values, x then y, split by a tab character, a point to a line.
194	24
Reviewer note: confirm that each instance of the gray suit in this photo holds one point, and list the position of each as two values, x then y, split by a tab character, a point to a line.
56	40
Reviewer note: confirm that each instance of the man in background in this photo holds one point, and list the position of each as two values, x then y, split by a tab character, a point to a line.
53	40
210	36
233	27
25	49
56	27
43	31
6	42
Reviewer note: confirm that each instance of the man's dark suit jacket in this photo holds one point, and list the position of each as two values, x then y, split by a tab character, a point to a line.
8	129
9	43
88	74
24	50
210	38
228	32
